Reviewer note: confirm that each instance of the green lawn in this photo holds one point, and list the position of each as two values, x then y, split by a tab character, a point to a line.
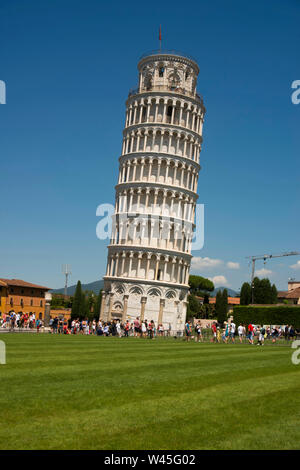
78	392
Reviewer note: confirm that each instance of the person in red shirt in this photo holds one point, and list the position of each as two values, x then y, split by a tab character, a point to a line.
136	327
126	329
214	331
150	329
250	333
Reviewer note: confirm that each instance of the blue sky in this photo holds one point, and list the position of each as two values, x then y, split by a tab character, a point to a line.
68	66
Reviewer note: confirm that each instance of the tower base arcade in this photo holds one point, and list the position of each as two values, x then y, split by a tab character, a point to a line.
163	303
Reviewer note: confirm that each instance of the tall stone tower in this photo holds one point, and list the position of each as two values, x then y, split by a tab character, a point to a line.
149	254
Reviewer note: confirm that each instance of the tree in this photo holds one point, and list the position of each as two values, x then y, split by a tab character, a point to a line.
97	306
77	302
90	304
86	305
245	297
263	292
58	301
207	311
221	306
193	306
200	285
218	305
274	294
225	302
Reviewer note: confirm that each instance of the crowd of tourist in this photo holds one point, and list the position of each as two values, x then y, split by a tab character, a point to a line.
218	333
228	332
13	320
58	325
144	329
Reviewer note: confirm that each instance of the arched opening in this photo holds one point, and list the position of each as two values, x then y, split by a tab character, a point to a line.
169	113
174	80
144	114
148	82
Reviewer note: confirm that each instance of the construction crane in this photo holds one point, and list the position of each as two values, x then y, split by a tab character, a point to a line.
265	257
66	270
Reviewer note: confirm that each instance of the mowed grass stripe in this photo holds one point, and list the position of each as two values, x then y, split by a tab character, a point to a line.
138	385
128	418
102	352
152	370
116	394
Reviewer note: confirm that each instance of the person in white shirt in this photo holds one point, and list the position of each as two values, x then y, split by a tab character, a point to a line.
144	329
106	330
118	327
241	331
232	331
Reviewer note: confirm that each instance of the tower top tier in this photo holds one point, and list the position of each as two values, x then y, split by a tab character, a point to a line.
167	71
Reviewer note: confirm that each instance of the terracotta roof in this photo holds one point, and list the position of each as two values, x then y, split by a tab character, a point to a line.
20	283
231	300
290	294
281	294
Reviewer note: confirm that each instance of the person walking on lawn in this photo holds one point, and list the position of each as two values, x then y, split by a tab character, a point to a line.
187	331
250	333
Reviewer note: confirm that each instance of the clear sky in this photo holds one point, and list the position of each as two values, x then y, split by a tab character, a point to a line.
68	66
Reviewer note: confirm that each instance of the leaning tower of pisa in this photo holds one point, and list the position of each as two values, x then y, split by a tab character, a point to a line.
149	254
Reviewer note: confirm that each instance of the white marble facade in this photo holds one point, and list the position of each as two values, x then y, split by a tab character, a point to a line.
149	254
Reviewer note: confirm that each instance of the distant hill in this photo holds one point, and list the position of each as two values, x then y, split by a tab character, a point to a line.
92	286
97	285
231	292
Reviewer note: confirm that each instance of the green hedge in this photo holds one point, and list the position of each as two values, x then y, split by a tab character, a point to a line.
282	315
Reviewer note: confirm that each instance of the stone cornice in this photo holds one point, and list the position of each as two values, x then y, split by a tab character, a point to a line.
151	249
166	126
155	185
159	155
162	56
151	283
161	218
168	94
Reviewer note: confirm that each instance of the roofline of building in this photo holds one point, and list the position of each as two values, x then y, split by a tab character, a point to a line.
20	283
